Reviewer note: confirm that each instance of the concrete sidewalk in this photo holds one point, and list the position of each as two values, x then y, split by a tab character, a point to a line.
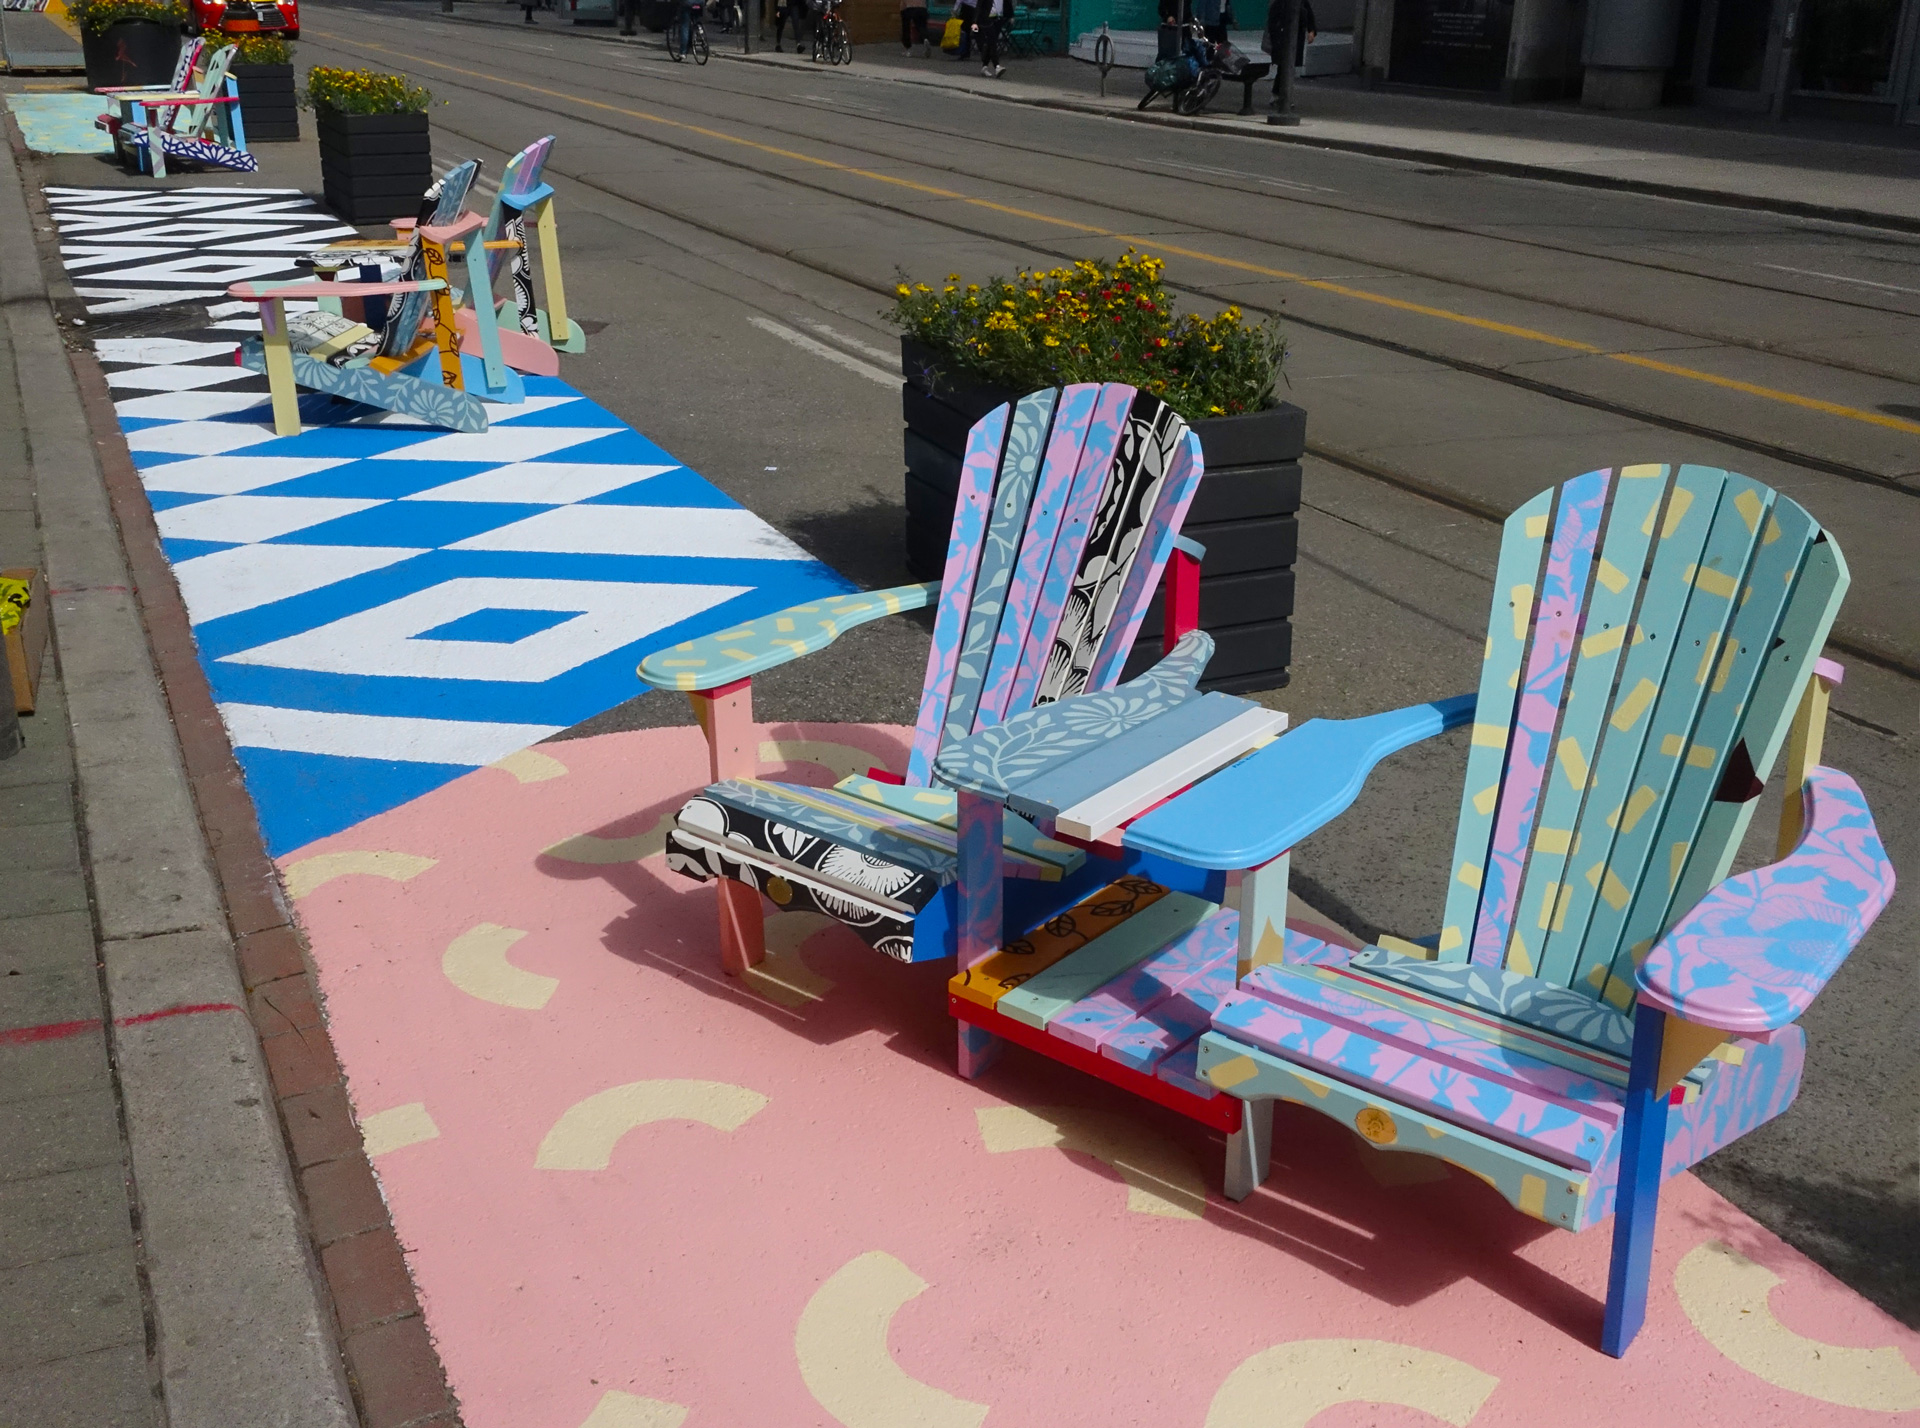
1825	170
155	1260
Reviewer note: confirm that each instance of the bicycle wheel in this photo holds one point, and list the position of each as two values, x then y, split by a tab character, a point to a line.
843	43
674	47
700	49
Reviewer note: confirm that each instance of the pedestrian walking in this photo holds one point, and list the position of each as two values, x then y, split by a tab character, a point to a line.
965	10
990	19
913	27
794	11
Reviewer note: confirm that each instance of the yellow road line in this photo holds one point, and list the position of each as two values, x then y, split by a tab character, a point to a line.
1525	334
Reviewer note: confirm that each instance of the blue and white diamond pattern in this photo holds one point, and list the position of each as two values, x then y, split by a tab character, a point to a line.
381	605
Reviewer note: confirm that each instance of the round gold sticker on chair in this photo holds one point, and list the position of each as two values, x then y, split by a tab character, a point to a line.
1377	1126
780	890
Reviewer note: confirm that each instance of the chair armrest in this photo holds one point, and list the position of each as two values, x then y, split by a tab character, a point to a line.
1754	953
772	640
1249	814
991	761
458	228
174	101
246	292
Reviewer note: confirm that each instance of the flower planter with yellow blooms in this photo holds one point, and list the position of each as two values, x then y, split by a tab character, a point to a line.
376	156
968	347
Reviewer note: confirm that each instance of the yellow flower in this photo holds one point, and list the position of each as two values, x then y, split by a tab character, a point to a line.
904	290
1052	341
922	287
1217	411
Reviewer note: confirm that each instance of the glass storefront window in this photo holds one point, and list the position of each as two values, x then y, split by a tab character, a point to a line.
1846	46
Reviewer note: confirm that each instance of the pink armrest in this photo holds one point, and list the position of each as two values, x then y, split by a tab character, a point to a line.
447	232
246	292
1754	952
175	101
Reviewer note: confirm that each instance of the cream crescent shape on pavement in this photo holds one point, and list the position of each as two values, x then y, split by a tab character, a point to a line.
397	1128
1160	1178
530	766
586	848
629	1410
1286	1385
842	760
586	1133
304	876
841	1345
476	962
1725	1295
783	978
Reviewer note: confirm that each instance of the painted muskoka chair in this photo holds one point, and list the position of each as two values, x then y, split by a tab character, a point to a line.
201	124
1069	509
419	367
528	344
1603	1007
186	71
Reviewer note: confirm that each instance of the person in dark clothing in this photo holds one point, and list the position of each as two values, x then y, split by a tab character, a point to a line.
1306	31
913	26
796	12
965	11
990	19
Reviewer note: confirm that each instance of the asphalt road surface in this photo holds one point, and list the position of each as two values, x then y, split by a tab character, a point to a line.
1459	341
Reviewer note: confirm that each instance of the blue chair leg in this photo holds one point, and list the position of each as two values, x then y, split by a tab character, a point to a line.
1637	1194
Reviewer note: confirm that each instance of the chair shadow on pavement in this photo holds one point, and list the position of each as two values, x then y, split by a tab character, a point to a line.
1397	1226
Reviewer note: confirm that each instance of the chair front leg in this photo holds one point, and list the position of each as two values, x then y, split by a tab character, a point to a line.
279	354
733	748
1636	1204
1250	1150
981	914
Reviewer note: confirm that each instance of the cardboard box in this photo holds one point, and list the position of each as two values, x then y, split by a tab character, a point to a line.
27	641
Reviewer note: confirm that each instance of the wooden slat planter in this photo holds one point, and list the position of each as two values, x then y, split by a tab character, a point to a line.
1244	513
373	167
267	105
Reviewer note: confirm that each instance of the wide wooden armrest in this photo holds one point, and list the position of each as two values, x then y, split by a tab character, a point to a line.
772	640
404	225
1753	954
995	761
246	292
526	198
458	228
1252	813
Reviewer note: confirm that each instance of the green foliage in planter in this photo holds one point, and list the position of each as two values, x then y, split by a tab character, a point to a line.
364	91
1101	320
262	49
93	16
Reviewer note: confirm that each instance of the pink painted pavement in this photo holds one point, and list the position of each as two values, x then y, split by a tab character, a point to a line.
744	1276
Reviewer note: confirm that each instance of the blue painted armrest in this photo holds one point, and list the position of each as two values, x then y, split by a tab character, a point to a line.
1190	546
772	640
991	761
1253	811
527	197
1753	954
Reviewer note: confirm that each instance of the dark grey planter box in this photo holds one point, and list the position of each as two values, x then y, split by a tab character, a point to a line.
373	167
131	52
267	106
1244	514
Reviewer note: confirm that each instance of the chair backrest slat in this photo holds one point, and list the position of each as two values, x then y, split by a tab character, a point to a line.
1557	609
1607	633
441	203
1063	562
1156	540
1068	503
1671	629
979	472
1006	525
521	175
1072	419
1152	434
1522	551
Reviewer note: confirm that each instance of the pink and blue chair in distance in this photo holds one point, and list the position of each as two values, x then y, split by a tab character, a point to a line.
1069	508
1602	1005
199	123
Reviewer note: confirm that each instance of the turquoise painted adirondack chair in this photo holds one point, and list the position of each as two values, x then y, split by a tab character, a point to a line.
200	124
1602	1007
1069	509
543	331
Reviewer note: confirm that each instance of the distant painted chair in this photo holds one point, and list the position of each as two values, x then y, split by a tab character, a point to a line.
1069	509
186	73
529	343
200	124
1602	1006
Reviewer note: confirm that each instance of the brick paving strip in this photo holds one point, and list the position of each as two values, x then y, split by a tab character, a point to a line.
218	1292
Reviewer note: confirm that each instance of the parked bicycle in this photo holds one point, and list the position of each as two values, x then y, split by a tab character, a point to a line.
1188	70
726	15
688	34
831	41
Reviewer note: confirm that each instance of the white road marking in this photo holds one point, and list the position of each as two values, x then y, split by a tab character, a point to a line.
1177	169
879	354
820	349
1836	278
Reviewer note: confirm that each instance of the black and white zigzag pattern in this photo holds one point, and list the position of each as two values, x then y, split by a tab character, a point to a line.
130	249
